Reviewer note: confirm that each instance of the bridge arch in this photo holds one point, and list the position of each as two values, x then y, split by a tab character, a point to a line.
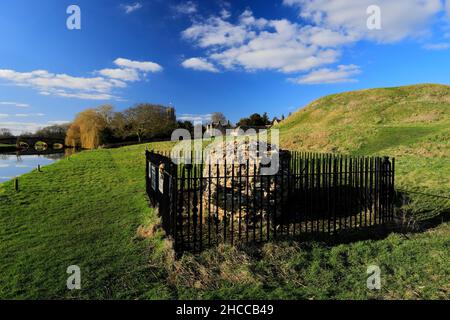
30	142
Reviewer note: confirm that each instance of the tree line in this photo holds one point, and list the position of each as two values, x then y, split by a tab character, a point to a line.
103	125
98	126
53	131
257	120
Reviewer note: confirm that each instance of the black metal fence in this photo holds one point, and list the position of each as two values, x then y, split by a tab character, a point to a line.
312	195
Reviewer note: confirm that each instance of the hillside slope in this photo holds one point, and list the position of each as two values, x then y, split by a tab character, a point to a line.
401	120
411	123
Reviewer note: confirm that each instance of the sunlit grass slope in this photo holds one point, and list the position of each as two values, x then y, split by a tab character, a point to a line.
401	120
411	123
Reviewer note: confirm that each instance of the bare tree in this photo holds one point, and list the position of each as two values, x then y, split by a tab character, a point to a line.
148	121
4	132
219	117
54	131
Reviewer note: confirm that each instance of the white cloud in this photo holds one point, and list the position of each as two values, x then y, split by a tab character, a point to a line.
144	66
195	117
199	64
129	8
89	88
188	7
61	84
216	32
342	74
399	18
82	95
27	115
225	14
15	104
58	122
123	74
258	44
437	46
21	115
317	40
20	127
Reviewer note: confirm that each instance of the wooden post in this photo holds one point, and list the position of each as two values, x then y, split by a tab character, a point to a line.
16	184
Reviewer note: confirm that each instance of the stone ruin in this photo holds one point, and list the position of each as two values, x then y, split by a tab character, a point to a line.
252	191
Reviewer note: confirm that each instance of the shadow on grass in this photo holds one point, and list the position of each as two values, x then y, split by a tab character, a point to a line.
408	219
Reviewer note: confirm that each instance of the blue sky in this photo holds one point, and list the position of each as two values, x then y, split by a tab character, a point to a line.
237	57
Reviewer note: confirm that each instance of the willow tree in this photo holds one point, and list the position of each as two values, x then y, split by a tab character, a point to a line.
73	136
86	130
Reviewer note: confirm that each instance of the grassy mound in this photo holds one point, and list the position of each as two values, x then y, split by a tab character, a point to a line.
410	123
402	120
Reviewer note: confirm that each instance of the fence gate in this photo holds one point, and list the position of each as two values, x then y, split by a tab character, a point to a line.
161	188
312	195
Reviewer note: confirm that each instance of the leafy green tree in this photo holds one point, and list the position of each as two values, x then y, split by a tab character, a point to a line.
255	120
186	125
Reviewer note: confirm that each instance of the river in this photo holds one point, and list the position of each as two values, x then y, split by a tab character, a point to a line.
16	164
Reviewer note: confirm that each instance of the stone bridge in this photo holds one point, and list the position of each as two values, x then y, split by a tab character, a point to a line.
30	142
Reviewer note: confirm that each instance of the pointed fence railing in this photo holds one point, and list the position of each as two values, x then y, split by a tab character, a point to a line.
312	195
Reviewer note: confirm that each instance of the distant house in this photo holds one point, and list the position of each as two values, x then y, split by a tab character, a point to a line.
239	129
233	131
216	126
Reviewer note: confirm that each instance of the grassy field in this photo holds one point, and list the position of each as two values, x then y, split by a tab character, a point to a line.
91	210
86	211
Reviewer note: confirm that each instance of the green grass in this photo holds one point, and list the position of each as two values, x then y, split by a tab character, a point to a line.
374	121
87	211
82	211
413	267
409	123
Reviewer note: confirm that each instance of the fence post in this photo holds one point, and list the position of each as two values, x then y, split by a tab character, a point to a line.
194	211
201	203
180	210
392	188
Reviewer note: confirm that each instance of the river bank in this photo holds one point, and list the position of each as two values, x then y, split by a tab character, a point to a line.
8	148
